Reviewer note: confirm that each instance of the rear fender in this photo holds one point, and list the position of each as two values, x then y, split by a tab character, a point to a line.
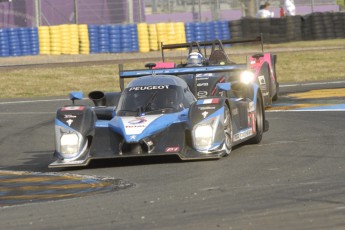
265	62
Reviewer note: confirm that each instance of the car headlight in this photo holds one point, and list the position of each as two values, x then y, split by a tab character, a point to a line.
204	134
69	145
247	77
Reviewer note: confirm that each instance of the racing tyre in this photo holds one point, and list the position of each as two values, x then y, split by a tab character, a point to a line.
260	121
228	131
276	95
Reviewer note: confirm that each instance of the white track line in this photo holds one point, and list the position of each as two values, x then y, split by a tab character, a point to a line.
305	110
26	113
315	83
33	101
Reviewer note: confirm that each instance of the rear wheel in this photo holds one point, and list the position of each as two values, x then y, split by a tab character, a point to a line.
259	122
276	95
228	132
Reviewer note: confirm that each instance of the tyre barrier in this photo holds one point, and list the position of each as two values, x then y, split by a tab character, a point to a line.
207	31
44	39
316	26
65	40
74	39
114	39
34	41
14	42
93	38
153	37
103	39
142	37
134	38
4	43
84	42
55	40
189	31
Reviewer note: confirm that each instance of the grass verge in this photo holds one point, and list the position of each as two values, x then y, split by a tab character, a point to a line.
316	65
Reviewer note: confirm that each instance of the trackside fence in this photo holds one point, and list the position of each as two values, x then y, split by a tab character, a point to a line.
142	37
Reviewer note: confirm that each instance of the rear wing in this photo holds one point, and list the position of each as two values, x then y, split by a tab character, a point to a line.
214	43
176	71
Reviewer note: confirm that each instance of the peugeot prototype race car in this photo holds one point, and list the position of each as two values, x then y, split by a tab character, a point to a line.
161	112
263	65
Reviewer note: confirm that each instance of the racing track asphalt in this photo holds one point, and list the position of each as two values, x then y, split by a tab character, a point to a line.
294	179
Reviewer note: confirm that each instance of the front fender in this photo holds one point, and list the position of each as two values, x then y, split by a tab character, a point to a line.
203	108
77	121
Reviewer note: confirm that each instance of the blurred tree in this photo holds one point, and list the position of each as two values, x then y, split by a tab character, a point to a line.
249	8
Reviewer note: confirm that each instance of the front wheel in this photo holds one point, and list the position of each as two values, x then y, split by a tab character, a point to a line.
228	132
260	120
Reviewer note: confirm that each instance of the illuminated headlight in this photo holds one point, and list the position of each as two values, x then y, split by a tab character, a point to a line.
69	145
247	77
204	134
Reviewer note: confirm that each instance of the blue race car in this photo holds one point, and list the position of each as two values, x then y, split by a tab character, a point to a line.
160	113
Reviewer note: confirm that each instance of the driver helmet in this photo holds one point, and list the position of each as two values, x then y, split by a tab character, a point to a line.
195	59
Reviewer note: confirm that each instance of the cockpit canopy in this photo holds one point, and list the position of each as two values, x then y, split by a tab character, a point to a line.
152	99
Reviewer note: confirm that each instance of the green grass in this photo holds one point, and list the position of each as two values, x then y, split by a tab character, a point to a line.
316	65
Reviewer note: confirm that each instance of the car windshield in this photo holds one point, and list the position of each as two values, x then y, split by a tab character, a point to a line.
145	100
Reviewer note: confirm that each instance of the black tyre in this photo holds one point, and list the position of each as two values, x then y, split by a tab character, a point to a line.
228	131
260	121
276	95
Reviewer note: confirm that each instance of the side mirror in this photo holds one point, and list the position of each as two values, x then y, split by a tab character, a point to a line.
75	96
150	65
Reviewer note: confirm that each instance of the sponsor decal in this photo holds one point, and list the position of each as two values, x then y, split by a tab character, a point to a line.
202	84
67	116
149	87
251	106
234	112
243	134
262	80
136	125
204	114
207	107
137	120
253	123
172	149
208	101
202	93
69	122
73	108
204	76
201	78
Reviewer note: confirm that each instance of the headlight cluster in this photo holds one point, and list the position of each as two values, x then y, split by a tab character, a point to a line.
204	134
69	144
247	77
